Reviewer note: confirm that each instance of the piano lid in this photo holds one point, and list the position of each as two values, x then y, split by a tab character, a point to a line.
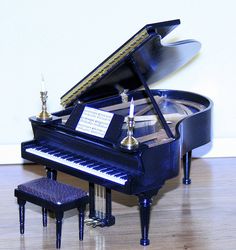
155	61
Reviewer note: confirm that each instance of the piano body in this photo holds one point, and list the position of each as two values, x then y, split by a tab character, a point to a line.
169	124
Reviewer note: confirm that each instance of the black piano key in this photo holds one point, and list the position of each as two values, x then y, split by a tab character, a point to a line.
109	170
100	167
113	172
79	160
83	159
45	149
71	158
103	168
121	174
52	152
87	163
78	157
58	154
65	156
39	147
91	165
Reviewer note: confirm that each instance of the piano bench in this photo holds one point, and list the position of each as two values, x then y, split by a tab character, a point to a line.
53	196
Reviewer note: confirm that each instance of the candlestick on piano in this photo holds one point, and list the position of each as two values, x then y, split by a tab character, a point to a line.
44	115
129	142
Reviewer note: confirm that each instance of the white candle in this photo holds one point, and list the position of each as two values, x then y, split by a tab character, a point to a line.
43	89
131	108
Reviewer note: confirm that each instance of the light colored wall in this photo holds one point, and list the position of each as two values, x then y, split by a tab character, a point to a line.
65	40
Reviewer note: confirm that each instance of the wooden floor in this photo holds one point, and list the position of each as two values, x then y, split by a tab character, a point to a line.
200	216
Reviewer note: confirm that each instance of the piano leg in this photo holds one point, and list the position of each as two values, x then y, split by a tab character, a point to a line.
51	173
186	167
145	202
91	200
110	219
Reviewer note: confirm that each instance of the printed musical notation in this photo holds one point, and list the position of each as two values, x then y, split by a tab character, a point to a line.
94	122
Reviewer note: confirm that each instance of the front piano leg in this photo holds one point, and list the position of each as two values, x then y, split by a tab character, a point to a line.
109	218
186	167
145	202
91	200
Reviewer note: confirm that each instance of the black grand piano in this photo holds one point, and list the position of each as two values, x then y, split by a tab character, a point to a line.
117	133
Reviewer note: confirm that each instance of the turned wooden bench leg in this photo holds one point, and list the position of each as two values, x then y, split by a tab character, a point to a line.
81	210
44	216
59	218
21	204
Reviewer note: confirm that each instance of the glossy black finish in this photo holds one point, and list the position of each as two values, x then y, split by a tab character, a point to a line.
186	167
44	217
156	107
146	168
81	211
92	211
154	59
51	173
145	203
59	217
21	204
144	174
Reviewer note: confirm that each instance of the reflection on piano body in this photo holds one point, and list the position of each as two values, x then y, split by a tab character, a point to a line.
168	124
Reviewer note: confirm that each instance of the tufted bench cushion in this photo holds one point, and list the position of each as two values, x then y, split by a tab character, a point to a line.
52	191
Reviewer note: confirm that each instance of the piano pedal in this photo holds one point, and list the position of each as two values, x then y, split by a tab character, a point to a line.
93	222
105	221
89	221
98	223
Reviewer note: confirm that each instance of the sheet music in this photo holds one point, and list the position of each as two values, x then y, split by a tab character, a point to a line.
94	122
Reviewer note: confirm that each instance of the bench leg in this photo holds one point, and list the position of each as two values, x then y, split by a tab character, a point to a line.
59	217
21	204
81	210
44	216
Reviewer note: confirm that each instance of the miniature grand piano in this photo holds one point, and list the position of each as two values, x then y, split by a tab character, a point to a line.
84	139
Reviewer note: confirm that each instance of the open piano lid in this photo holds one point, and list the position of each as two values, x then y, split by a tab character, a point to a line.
154	59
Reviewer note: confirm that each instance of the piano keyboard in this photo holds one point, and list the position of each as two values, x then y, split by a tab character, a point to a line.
81	163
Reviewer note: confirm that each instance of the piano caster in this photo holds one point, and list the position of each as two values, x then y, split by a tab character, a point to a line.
186	167
109	221
144	242
186	181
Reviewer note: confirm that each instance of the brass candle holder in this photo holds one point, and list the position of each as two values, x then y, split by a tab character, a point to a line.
44	115
129	142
